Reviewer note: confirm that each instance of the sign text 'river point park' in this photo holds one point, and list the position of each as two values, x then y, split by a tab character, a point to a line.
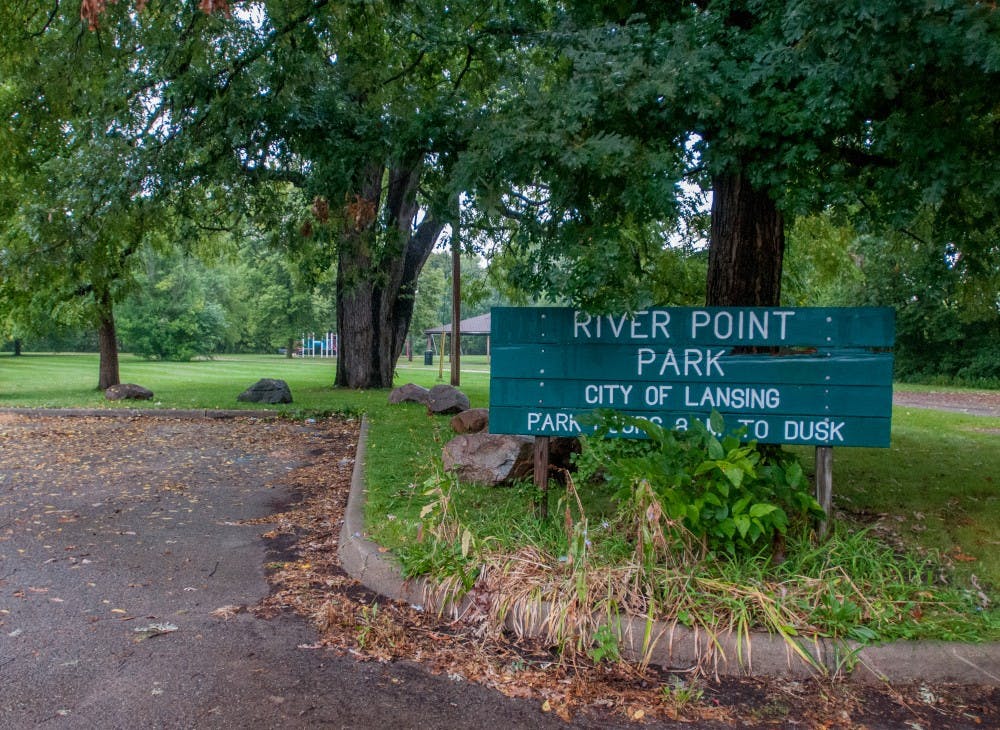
820	376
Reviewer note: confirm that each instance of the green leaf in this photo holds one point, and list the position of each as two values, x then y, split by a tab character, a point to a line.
741	506
761	509
734	474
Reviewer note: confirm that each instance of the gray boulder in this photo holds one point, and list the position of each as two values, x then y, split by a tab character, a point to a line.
128	391
409	393
267	390
447	399
474	420
490	459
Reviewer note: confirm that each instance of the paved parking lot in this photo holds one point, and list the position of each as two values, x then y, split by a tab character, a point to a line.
126	564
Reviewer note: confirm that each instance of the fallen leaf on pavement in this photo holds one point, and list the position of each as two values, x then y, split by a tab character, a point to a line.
227	612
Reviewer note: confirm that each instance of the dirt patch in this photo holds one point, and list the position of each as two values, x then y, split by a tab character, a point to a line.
972	402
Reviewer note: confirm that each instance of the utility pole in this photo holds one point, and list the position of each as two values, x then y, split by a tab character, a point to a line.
456	299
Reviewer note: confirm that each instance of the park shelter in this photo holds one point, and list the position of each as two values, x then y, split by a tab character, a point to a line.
473	326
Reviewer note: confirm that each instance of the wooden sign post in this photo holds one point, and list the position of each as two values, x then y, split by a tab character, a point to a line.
541	458
824	487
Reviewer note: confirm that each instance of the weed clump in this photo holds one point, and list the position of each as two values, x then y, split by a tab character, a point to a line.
684	529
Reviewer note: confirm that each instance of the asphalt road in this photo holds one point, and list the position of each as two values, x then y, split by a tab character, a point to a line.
111	569
128	562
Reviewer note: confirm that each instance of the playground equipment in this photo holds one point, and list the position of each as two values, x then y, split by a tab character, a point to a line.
323	345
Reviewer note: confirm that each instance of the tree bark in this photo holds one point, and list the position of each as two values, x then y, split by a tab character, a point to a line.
747	245
745	254
107	342
17	347
290	349
377	274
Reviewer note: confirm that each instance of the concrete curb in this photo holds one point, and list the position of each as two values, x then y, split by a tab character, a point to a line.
676	647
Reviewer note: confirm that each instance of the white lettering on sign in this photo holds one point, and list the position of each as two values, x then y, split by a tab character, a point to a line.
731	397
643	325
558	422
631	430
693	361
683	424
825	431
720	325
657	395
755	429
740	325
607	394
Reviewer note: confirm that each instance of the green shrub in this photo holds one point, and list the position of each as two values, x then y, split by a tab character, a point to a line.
692	491
173	315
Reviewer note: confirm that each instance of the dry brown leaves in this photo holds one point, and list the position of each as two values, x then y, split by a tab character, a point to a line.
309	580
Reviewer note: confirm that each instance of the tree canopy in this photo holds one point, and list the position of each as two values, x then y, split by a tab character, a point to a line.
886	110
75	178
581	138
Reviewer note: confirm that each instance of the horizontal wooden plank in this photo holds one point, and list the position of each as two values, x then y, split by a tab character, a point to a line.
697	364
803	430
733	397
709	326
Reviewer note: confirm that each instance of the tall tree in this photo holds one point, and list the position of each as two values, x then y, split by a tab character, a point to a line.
362	107
887	109
392	92
75	202
611	109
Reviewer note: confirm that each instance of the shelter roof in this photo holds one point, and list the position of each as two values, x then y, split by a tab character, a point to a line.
473	326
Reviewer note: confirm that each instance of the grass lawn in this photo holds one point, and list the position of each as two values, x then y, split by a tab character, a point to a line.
938	486
63	380
936	489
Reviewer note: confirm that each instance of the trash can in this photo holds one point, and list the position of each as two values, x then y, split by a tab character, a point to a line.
428	357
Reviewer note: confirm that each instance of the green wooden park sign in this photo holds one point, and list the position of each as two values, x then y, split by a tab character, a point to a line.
827	383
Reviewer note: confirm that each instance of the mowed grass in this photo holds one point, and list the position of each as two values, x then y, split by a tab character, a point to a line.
70	380
937	487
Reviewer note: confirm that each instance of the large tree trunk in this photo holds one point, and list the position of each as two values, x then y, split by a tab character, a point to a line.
747	245
377	274
17	347
107	342
745	254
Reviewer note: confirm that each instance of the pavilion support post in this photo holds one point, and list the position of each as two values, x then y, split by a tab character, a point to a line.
441	359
